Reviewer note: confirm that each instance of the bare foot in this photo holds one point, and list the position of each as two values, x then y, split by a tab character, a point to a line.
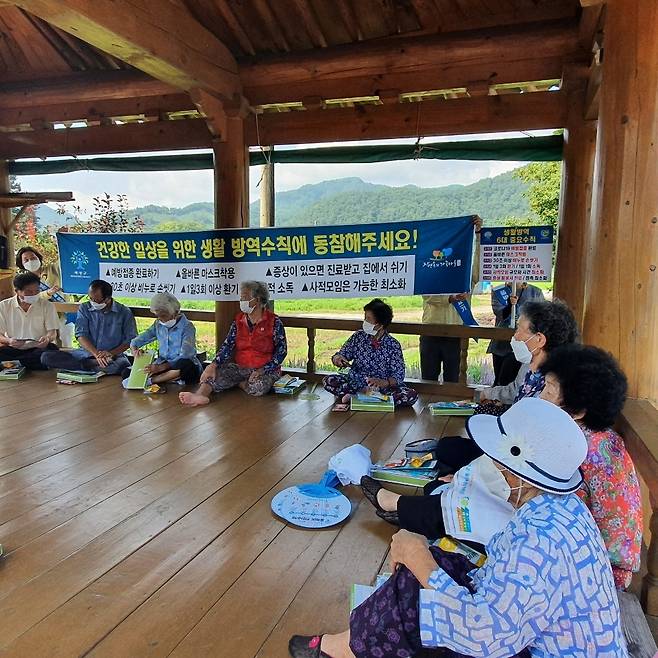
388	500
193	399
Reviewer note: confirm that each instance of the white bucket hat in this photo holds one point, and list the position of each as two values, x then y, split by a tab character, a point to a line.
535	440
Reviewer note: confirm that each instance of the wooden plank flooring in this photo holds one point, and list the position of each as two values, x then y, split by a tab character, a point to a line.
135	527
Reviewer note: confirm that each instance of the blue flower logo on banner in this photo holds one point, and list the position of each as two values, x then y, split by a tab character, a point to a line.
80	260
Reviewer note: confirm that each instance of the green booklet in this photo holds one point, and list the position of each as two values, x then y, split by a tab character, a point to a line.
372	402
138	377
15	372
80	376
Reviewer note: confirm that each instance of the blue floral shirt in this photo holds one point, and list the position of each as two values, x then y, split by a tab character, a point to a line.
532	386
546	585
225	352
373	358
178	342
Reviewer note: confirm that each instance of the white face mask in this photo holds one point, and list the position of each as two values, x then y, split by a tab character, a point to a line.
521	351
245	306
96	306
518	489
29	299
32	265
369	328
491	478
169	323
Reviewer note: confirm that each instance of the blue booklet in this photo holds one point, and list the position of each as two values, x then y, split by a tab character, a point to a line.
502	294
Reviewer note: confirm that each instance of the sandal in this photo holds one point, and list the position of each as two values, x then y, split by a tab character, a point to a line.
306	646
370	488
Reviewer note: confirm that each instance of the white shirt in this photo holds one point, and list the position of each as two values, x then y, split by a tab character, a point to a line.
37	321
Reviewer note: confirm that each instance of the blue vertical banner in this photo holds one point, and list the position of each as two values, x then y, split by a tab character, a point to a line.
432	256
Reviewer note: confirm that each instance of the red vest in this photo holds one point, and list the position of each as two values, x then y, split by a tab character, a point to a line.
254	349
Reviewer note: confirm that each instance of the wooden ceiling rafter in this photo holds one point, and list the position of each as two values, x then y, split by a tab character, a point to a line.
168	45
272	24
350	20
310	22
236	28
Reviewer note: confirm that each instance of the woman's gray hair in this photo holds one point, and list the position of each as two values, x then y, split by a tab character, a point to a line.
258	291
165	302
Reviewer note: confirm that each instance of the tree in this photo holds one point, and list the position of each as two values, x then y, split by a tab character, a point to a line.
544	192
108	216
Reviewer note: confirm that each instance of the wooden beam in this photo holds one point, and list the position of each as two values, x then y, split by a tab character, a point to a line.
541	110
590	26
414	64
82	88
231	166
129	138
624	264
591	3
267	197
150	106
167	43
571	265
213	110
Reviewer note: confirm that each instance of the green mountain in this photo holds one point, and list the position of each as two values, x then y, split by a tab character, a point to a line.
354	201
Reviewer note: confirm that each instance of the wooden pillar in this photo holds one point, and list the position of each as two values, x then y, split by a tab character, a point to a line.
231	166
267	193
571	266
621	291
6	229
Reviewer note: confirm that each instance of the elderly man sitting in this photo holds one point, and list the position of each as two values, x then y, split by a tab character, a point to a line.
252	353
104	329
28	324
176	337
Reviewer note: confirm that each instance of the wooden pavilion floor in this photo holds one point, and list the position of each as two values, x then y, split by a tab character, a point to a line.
134	526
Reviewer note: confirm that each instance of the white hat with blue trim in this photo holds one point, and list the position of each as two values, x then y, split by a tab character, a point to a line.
535	440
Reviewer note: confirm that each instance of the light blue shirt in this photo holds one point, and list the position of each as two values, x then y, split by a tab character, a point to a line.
106	329
546	585
177	342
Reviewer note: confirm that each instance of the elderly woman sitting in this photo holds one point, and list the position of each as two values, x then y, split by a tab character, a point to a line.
588	384
252	353
176	337
375	358
546	589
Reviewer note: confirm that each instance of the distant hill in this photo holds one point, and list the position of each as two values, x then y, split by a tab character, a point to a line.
352	201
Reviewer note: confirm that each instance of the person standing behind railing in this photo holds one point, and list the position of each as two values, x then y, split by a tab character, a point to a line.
444	352
505	365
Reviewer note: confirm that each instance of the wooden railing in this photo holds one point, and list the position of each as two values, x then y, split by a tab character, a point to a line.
312	324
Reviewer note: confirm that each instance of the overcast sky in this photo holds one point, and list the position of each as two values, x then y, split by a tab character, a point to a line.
180	188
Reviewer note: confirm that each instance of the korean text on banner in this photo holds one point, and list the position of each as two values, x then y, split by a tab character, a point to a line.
522	253
431	256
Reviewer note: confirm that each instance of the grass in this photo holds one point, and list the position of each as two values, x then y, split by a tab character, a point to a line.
328	342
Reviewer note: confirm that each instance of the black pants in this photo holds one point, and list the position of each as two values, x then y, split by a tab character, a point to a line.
189	372
506	368
437	352
31	358
423	514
